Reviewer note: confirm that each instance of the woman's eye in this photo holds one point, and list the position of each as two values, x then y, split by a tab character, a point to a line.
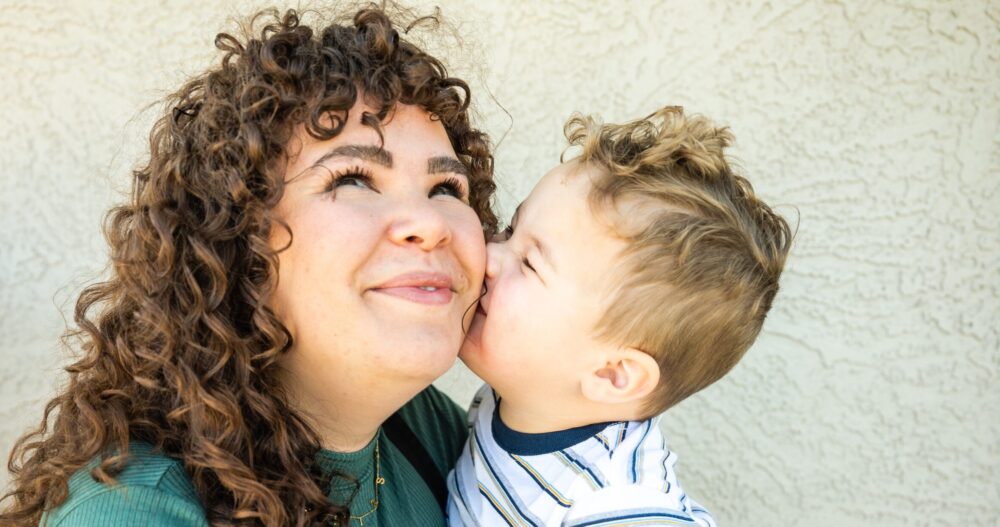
351	178
449	187
353	181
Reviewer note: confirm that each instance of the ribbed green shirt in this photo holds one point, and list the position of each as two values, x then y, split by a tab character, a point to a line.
155	491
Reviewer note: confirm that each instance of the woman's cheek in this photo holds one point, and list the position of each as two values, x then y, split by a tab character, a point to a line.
469	245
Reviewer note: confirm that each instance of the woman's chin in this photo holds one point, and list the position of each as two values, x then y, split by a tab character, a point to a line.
425	367
419	354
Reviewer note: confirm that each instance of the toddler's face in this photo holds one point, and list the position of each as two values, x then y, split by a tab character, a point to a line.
533	333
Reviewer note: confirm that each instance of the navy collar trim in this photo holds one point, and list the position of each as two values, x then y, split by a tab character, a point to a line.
524	444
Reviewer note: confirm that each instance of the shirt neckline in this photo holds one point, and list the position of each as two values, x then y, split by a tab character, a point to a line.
528	444
352	467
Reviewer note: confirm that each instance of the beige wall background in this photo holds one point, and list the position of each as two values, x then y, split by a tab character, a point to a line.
871	398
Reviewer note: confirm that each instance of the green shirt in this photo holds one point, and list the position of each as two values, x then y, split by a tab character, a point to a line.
155	491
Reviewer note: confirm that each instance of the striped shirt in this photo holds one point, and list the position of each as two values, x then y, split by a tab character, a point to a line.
598	475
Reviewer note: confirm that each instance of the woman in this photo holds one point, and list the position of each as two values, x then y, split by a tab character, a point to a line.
295	265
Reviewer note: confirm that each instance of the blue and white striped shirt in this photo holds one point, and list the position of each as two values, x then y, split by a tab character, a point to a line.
599	475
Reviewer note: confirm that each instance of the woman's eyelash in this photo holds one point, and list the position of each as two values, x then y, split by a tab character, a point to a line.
359	174
454	186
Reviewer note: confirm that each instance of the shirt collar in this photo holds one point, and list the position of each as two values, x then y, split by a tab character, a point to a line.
525	444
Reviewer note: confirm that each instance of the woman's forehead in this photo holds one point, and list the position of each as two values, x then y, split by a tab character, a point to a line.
408	134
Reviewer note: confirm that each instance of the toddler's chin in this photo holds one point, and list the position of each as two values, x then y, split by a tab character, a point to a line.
471	354
467	350
473	338
471	351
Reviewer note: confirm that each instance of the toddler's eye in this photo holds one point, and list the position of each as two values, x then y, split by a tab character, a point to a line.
528	264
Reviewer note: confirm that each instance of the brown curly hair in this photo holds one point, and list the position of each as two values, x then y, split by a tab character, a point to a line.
178	347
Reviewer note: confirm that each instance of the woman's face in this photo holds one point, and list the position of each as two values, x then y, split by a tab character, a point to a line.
386	258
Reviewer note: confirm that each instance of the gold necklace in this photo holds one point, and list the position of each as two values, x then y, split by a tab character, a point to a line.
379	481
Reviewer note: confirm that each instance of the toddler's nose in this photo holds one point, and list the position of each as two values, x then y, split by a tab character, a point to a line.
494	258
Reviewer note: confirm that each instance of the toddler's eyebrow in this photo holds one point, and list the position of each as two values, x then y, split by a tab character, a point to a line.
542	247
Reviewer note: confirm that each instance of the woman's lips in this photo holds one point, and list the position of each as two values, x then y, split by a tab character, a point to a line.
422	287
418	294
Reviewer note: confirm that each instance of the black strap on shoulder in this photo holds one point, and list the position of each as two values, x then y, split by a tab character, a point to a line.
402	436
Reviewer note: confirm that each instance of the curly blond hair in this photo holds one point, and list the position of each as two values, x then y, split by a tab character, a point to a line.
704	252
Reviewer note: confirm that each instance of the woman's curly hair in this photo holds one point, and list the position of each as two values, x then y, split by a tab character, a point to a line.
178	347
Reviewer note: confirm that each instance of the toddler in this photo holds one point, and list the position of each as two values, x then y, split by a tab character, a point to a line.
633	276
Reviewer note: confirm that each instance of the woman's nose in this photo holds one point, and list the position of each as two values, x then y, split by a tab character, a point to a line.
419	223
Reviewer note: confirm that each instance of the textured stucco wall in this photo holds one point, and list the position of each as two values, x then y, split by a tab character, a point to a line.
871	398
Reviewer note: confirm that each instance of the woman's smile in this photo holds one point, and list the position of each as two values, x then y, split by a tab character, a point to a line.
422	287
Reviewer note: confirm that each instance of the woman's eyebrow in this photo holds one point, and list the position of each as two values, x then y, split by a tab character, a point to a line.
436	165
371	153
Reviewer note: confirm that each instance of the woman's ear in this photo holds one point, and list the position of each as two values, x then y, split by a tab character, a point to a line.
628	375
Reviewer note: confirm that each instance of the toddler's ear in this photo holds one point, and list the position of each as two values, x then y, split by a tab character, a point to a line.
629	375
